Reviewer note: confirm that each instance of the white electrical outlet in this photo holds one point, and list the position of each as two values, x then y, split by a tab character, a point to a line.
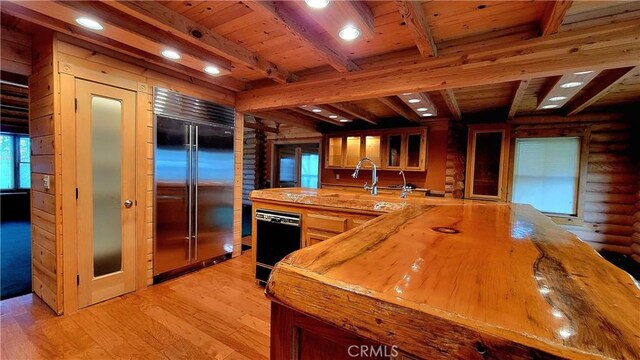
337	176
46	182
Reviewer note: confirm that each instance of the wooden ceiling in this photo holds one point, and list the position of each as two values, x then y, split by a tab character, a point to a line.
274	47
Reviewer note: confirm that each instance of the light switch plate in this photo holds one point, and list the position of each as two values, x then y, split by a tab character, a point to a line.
337	176
46	181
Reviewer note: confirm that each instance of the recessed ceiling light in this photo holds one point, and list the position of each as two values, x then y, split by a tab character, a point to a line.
413	101
557	98
89	23
427	114
552	106
316	110
349	33
571	84
171	54
583	72
212	70
317	4
422	109
333	116
345	120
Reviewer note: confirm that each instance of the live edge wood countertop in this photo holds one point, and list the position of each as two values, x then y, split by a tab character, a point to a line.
444	278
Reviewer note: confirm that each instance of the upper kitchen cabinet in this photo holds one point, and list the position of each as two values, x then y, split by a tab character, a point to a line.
397	149
487	154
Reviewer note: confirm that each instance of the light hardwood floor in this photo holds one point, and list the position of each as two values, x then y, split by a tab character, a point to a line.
217	312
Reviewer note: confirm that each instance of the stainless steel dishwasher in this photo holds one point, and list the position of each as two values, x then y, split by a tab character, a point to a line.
278	234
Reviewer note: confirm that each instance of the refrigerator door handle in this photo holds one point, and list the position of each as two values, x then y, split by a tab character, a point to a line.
195	197
190	185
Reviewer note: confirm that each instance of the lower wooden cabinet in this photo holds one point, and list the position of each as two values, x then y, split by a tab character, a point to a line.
320	226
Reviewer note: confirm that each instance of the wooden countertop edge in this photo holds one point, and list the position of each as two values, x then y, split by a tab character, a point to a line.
421	329
319	207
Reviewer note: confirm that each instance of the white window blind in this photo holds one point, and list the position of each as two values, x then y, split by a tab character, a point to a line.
546	174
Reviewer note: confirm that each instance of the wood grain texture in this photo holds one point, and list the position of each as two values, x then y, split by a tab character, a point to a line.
517	97
599	88
414	16
530	300
553	16
216	312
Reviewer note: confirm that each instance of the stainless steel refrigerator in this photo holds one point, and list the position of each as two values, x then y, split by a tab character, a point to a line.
194	170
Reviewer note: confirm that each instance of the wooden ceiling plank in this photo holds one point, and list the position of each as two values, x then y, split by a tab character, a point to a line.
413	15
452	103
349	110
287	118
397	105
316	116
61	17
517	97
179	25
599	89
541	57
553	16
284	17
340	13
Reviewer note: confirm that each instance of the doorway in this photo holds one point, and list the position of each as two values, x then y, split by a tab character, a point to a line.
105	191
297	165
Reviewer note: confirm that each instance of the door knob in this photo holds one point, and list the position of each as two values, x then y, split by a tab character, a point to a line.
128	203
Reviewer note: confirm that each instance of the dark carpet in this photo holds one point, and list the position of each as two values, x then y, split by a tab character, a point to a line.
15	259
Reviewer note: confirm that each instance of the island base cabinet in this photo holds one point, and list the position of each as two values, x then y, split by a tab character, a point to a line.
300	337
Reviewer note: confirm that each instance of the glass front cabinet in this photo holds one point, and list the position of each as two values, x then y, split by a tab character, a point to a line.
487	157
397	149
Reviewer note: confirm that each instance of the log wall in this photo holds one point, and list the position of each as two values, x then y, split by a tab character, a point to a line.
610	195
456	165
46	213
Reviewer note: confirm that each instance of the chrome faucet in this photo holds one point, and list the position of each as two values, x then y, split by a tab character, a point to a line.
405	189
374	176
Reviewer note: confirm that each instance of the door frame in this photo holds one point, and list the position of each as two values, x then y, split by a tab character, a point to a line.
274	157
67	157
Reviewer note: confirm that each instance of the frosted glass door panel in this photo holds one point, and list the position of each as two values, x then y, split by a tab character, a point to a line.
353	151
106	145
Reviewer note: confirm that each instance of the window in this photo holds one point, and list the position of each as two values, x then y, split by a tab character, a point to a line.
546	174
15	163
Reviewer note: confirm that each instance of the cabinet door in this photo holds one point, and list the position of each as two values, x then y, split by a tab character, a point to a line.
335	153
393	152
416	151
354	153
487	154
372	150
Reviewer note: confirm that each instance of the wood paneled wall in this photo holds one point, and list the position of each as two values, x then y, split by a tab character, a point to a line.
635	238
44	126
610	194
49	50
16	55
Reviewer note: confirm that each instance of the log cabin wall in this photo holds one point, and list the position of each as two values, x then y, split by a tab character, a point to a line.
45	97
46	208
635	238
610	196
456	155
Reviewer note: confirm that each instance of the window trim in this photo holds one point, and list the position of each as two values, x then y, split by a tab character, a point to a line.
16	163
582	132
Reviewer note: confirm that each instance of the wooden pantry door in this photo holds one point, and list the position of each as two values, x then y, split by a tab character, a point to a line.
105	191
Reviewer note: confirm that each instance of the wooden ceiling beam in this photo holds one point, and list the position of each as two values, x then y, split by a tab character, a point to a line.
517	97
553	15
181	26
339	13
283	117
617	46
397	105
61	18
282	15
452	103
599	89
413	15
256	126
554	89
348	110
316	116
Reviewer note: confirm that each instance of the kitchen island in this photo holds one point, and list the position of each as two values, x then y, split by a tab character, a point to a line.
446	278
